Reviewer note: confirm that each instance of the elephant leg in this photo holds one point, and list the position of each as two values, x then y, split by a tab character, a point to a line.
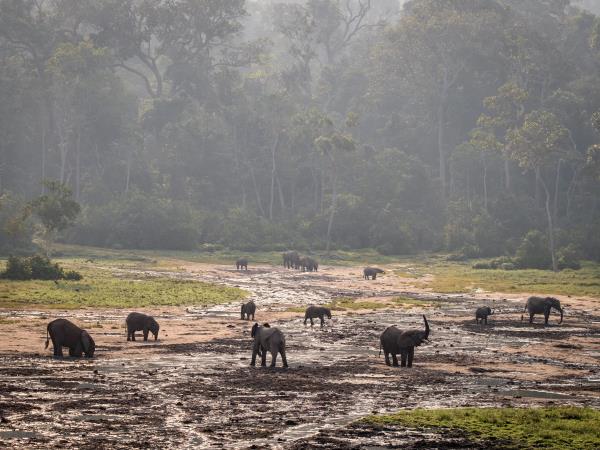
57	349
485	320
133	335
312	322
530	317
252	316
322	321
387	358
263	358
254	352
411	355
403	356
145	334
394	360
305	319
273	358
283	358
546	317
128	334
374	276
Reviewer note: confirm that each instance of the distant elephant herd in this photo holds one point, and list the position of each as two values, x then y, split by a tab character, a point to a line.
393	341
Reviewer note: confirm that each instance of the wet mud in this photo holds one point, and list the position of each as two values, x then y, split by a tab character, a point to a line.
199	391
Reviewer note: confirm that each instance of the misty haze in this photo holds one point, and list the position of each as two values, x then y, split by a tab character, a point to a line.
300	224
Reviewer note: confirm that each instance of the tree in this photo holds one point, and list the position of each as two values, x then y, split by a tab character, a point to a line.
56	210
538	144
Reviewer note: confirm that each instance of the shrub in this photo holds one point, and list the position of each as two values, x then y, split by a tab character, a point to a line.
568	257
17	269
533	253
36	267
43	269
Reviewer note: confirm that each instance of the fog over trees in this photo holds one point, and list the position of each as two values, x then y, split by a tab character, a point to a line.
465	126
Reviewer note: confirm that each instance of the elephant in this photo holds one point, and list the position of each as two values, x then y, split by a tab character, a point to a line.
371	272
541	305
141	322
66	334
291	260
308	264
482	314
267	339
396	341
241	263
248	309
313	312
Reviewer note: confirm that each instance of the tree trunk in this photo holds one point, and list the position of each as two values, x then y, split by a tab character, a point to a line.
556	187
273	173
442	156
485	190
43	153
333	205
537	186
507	180
257	192
78	166
550	225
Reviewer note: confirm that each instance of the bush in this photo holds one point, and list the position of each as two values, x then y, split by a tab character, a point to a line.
533	253
17	269
568	257
43	269
72	275
467	252
36	267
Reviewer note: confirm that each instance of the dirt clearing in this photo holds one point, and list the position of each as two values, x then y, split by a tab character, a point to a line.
194	388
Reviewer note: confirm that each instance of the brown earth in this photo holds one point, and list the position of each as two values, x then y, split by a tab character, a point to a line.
193	388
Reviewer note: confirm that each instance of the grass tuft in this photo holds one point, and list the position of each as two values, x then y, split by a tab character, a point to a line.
548	428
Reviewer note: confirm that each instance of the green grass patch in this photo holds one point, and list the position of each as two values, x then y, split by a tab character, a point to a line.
457	277
100	288
548	428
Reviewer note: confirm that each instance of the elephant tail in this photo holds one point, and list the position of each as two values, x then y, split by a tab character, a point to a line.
47	336
380	346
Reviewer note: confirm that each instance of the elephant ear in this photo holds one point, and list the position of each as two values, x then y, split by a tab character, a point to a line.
412	338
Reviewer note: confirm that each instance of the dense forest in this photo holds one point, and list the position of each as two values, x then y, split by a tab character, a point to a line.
465	126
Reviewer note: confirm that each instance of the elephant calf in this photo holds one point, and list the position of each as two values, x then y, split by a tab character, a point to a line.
482	314
248	309
371	272
267	339
141	322
542	305
396	341
66	334
309	264
241	263
312	312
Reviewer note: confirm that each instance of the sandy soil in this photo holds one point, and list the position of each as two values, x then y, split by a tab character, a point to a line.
193	388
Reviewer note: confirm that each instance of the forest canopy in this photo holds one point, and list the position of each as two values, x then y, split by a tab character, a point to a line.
465	126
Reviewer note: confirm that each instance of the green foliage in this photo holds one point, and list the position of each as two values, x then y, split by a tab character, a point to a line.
102	289
550	428
56	209
568	257
37	267
16	229
533	252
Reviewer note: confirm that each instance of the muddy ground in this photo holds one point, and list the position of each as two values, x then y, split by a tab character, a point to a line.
194	388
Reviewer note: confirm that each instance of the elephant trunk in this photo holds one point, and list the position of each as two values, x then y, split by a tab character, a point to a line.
426	327
561	315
